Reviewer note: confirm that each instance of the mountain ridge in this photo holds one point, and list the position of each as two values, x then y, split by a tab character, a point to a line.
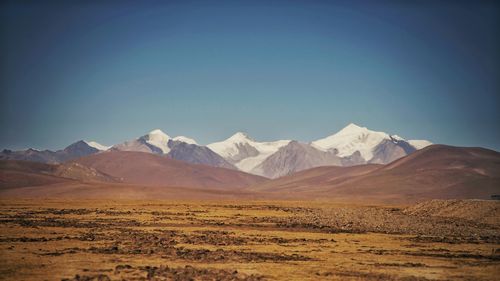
352	145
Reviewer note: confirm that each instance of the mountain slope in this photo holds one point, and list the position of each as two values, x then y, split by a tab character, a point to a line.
389	150
311	179
74	150
196	154
437	171
295	157
444	157
24	179
155	170
15	173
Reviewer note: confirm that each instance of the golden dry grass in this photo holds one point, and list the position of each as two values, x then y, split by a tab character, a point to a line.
136	240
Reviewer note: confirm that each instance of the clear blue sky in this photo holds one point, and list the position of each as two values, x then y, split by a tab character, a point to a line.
113	70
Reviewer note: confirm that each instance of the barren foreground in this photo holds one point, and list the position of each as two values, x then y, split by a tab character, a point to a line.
167	240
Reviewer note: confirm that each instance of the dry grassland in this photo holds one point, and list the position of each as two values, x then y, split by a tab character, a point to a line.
166	240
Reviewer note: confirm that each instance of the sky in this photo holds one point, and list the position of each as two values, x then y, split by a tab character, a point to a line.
111	71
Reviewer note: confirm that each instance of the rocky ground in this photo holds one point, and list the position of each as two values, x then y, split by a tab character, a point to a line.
452	221
129	240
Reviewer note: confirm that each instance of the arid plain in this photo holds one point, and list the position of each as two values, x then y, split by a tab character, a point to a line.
69	239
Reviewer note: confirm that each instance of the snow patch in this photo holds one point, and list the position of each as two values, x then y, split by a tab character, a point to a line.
97	145
419	144
397	138
185	139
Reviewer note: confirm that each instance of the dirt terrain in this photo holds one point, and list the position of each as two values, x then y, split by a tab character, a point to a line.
248	240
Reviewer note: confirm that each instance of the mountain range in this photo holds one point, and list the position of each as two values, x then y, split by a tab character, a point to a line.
354	164
436	171
353	145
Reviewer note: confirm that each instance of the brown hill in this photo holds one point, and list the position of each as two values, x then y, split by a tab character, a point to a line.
128	175
16	173
316	178
118	191
437	171
153	170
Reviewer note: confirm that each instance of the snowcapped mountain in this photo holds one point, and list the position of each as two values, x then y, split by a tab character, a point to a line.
244	152
180	148
350	139
353	145
373	146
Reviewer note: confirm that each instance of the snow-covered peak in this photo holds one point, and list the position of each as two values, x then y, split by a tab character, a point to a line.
159	139
352	128
419	144
157	133
352	138
185	139
240	137
97	145
230	146
241	144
